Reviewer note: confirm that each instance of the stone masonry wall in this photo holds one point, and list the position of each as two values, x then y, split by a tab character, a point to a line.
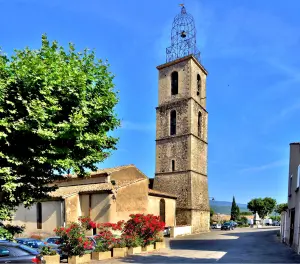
182	109
178	184
199	192
189	180
176	149
200	221
195	109
194	69
164	93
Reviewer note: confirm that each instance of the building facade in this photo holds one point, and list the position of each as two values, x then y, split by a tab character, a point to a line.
290	220
109	195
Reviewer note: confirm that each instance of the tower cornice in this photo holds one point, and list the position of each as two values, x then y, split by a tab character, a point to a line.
170	104
168	64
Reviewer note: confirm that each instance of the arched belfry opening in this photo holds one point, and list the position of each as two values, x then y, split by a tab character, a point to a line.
183	37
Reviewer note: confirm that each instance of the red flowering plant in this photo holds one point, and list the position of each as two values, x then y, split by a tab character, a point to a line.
87	223
105	238
146	227
73	239
132	241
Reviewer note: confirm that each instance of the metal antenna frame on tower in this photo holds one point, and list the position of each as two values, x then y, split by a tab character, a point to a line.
183	37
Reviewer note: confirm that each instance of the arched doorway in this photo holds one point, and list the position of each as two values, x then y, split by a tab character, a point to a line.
162	210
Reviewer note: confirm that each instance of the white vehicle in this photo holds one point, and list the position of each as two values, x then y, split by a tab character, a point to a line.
268	222
218	226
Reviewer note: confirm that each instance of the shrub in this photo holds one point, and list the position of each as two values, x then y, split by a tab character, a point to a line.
146	227
74	242
47	251
119	242
4	234
132	241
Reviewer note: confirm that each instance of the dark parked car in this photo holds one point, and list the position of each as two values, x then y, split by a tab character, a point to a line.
30	242
227	226
18	253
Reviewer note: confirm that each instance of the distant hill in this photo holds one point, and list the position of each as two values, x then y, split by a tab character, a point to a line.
223	207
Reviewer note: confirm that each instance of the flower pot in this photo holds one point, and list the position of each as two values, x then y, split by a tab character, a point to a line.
134	250
86	258
120	252
54	259
159	245
148	248
101	255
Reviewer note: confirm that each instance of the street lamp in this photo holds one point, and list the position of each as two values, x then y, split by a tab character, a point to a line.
212	198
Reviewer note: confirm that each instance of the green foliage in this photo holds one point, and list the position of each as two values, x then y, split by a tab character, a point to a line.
262	206
235	210
244	220
47	251
56	113
280	208
101	246
14	230
9	231
275	218
5	234
246	213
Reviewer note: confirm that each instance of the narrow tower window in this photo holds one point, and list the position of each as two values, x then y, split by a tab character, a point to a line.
39	215
173	165
173	122
198	84
199	124
174	83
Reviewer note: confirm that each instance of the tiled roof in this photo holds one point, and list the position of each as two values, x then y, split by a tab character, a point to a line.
103	172
69	190
163	194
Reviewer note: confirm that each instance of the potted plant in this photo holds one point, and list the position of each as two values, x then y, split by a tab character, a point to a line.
119	247
102	250
50	256
74	243
146	227
148	244
134	244
159	243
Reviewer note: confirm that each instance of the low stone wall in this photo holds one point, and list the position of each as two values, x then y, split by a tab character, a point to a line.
180	231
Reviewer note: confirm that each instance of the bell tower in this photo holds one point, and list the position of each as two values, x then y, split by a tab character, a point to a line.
181	127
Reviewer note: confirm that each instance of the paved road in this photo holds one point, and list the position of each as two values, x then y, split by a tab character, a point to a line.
243	245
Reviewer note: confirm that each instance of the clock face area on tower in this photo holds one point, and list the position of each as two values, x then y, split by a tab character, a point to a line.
181	127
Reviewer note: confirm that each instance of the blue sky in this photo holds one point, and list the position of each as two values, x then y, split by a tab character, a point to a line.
250	49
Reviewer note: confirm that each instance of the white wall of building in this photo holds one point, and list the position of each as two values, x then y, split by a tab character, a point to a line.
51	218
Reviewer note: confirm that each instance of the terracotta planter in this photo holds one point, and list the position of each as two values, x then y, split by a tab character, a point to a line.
101	255
159	245
134	250
54	259
148	248
80	260
120	252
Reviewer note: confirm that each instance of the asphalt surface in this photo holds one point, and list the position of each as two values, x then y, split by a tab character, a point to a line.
242	245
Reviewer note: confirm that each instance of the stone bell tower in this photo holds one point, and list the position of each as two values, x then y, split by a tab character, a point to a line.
181	127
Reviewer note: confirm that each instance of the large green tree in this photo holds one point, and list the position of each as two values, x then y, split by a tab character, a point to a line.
261	206
235	210
280	208
57	109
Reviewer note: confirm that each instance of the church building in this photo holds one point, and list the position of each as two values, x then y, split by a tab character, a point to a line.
179	191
